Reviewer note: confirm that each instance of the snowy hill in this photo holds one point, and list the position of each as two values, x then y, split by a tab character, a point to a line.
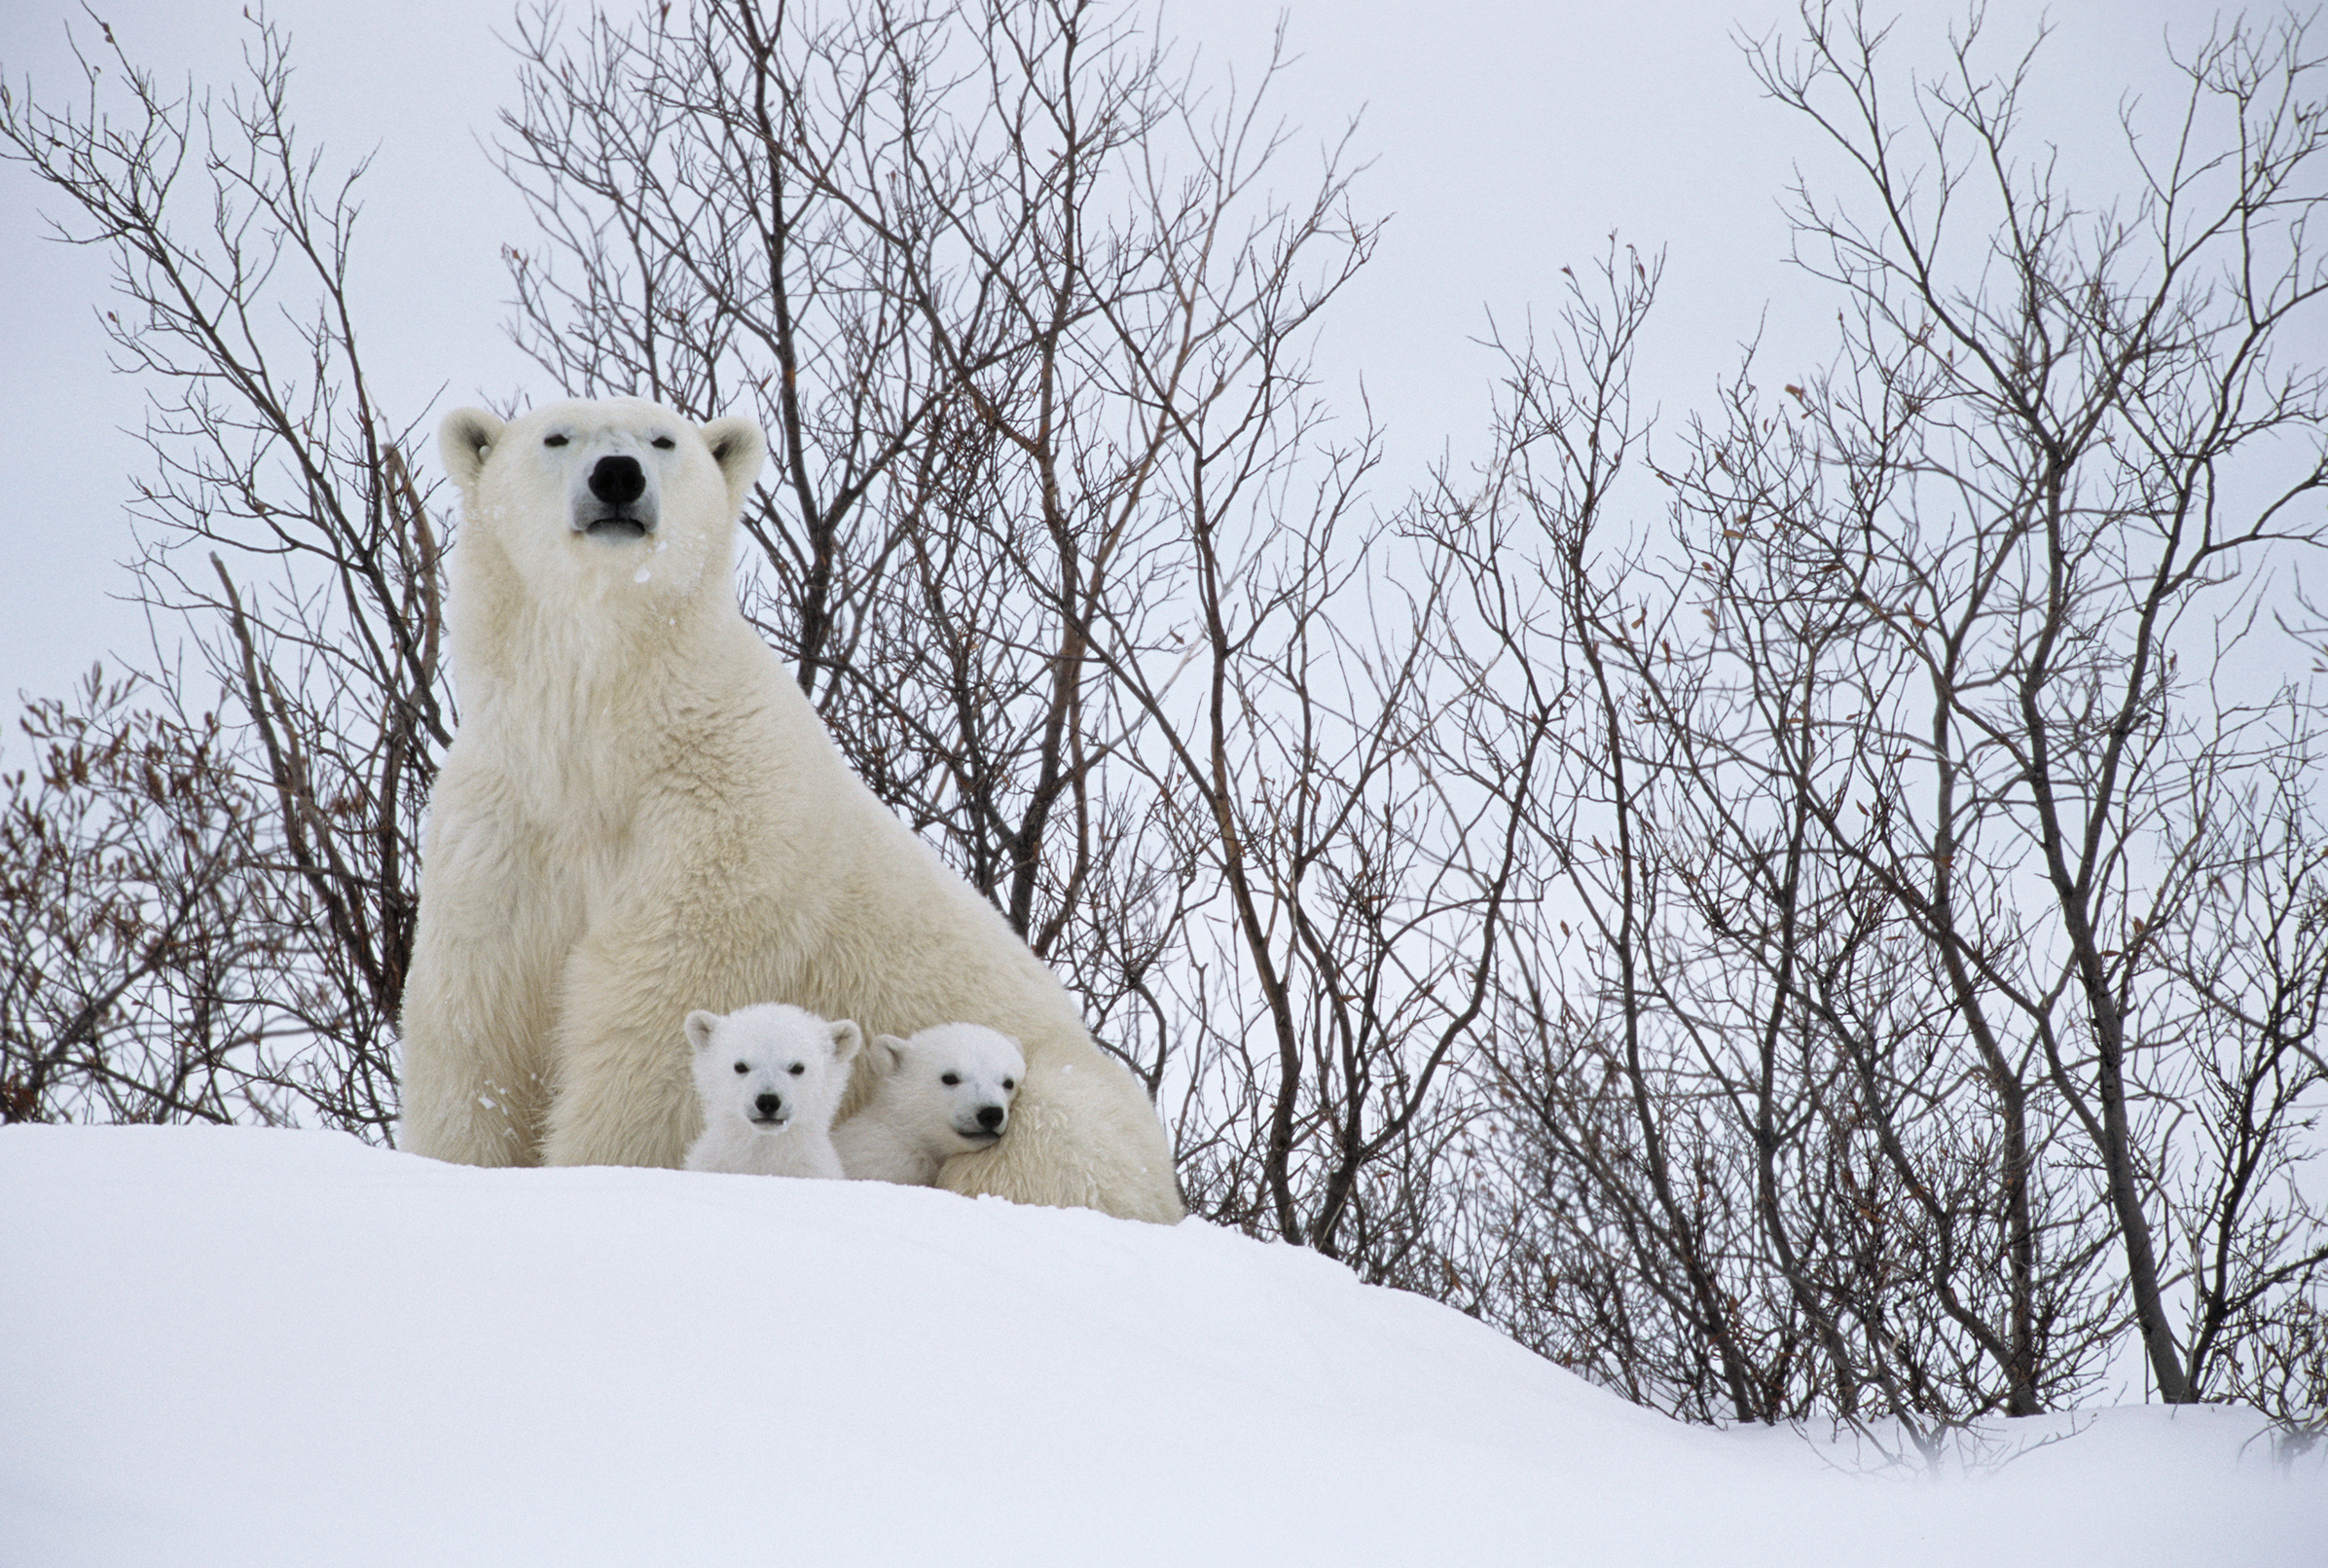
246	1347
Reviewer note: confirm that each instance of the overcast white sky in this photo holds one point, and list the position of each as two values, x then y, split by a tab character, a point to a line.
1508	138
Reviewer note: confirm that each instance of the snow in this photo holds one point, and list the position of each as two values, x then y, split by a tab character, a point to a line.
238	1346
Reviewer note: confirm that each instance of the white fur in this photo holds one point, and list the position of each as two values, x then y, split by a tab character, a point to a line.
946	1091
769	1078
642	814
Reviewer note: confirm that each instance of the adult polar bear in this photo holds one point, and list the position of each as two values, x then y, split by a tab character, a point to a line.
643	816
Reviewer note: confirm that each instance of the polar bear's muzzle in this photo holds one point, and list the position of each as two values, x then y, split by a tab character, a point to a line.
620	505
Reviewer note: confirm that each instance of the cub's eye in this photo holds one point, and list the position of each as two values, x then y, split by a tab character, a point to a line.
951	1079
1010	1083
662	443
553	441
743	1066
799	1068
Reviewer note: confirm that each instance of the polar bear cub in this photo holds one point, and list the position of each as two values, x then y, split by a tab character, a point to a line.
770	1078
945	1091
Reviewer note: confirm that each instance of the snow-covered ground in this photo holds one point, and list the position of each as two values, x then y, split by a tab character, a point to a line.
247	1347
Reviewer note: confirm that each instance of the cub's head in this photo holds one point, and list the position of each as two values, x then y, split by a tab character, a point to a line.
617	491
953	1083
771	1064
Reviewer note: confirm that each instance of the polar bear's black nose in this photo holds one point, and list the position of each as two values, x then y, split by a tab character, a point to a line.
770	1104
990	1116
617	481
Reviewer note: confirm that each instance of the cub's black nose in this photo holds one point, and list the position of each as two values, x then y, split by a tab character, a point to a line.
990	1116
769	1104
617	481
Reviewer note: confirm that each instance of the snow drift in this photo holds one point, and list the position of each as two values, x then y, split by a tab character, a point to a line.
249	1347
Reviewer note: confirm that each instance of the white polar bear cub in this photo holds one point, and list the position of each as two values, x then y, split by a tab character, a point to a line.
770	1078
642	814
946	1091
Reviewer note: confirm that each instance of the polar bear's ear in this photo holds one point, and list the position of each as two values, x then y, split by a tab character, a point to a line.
740	448
463	440
846	1040
699	1027
882	1054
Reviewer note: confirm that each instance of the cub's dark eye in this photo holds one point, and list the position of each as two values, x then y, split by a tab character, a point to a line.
553	441
663	443
951	1079
1010	1083
743	1066
799	1068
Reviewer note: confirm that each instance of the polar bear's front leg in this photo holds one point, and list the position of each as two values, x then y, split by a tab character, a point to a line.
476	1020
624	1082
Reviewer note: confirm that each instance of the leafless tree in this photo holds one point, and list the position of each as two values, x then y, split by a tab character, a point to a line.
1027	317
1058	539
1944	983
280	534
154	967
125	899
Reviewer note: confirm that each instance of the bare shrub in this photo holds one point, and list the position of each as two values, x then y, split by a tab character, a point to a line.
282	536
1943	990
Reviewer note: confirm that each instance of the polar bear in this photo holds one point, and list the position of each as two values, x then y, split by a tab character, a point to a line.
946	1091
769	1078
641	816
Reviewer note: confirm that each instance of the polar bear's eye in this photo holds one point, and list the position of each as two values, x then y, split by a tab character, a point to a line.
799	1068
663	443
553	441
951	1079
1010	1083
743	1066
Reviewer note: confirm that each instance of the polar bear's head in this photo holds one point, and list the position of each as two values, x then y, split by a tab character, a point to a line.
615	491
951	1085
771	1065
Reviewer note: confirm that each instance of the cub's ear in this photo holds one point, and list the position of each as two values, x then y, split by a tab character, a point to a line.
846	1040
740	448
699	1027
463	440
882	1054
